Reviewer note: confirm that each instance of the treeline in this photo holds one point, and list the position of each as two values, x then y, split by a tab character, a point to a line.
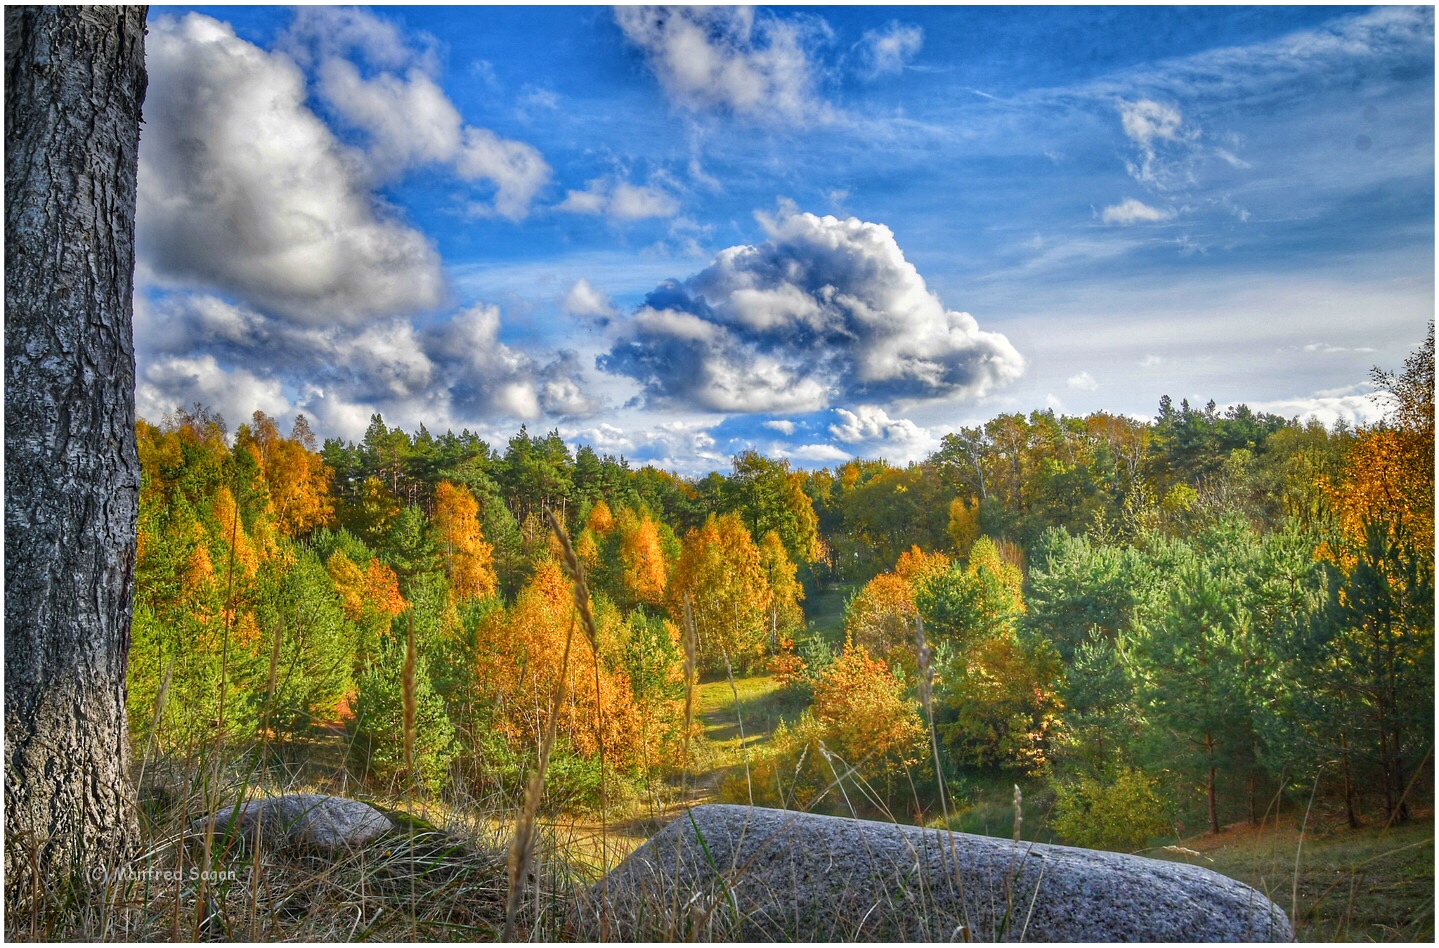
1232	602
407	590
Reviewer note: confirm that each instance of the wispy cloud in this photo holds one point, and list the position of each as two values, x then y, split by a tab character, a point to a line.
889	50
1163	140
621	200
1132	211
1325	348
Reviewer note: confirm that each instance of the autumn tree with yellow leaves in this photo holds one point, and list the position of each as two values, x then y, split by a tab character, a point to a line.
1380	634
468	559
722	578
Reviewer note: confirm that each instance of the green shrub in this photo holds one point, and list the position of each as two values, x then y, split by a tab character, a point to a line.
1121	813
377	751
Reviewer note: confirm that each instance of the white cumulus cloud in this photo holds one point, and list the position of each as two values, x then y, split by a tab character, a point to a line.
824	310
728	58
243	189
584	300
409	120
819	452
871	427
181	381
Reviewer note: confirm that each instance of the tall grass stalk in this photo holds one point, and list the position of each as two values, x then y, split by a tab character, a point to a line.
522	849
1299	848
409	689
691	646
926	695
576	571
203	898
739	723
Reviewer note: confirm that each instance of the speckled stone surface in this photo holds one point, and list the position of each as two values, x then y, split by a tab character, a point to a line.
754	874
309	820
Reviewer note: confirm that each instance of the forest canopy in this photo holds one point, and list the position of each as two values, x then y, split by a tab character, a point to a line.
1201	611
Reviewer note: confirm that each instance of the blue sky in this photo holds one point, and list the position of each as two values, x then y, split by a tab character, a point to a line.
819	232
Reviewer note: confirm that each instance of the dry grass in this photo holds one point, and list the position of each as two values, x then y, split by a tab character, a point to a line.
437	877
1368	884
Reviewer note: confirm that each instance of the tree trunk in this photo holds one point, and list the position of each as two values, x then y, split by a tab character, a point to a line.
74	83
1209	786
1349	812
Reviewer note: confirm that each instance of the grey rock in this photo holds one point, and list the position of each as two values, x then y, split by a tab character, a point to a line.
305	820
752	874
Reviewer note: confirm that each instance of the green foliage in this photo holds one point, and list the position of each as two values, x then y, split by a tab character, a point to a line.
1102	721
410	546
770	497
970	604
651	657
1079	587
377	740
174	687
886	514
572	782
1122	813
310	641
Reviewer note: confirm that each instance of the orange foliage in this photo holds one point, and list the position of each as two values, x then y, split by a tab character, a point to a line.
247	632
601	520
469	560
199	570
918	566
349	583
382	589
880	619
520	655
1389	479
297	478
232	531
787	667
375	590
642	560
864	711
720	572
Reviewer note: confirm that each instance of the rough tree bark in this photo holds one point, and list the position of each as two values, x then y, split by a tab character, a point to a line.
74	84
